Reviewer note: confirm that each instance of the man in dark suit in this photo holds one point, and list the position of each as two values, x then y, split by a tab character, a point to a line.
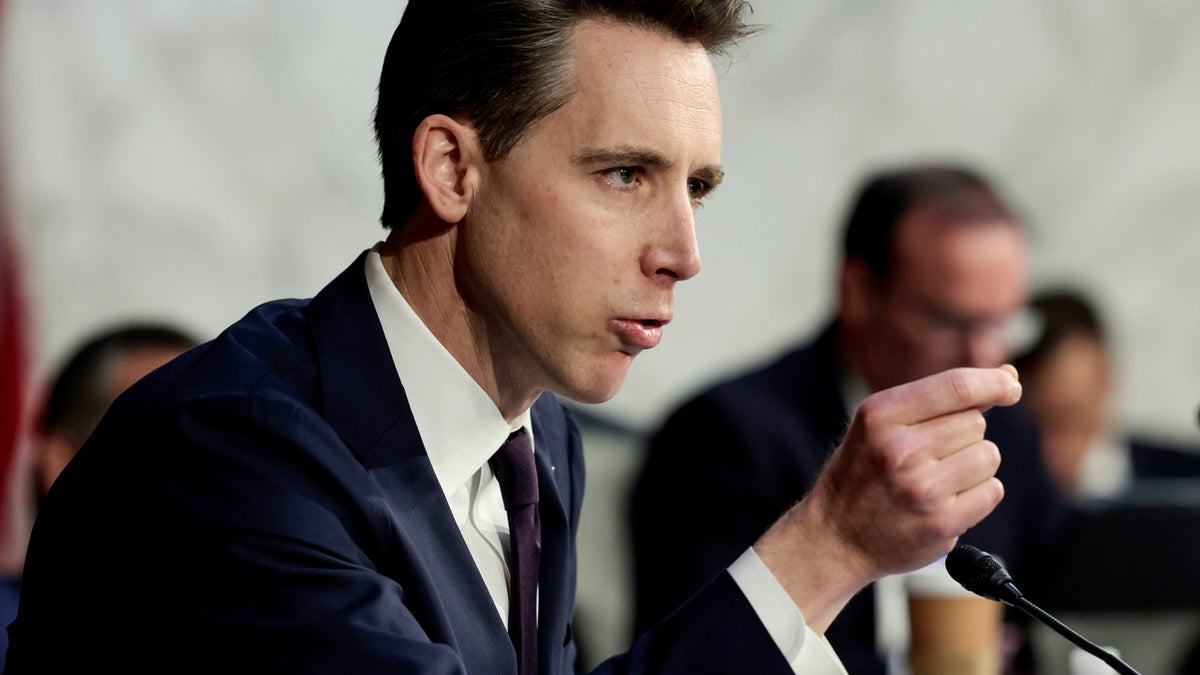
319	488
933	273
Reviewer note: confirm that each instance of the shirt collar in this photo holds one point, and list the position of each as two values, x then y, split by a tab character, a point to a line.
459	425
854	390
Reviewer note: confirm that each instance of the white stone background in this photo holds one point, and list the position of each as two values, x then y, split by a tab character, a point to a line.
187	160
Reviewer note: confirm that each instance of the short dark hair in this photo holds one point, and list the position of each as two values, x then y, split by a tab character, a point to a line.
959	194
1059	314
503	65
77	398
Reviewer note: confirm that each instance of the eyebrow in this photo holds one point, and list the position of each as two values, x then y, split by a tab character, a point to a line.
628	155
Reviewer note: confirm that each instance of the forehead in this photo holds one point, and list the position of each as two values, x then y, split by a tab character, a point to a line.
1078	359
133	365
636	86
926	248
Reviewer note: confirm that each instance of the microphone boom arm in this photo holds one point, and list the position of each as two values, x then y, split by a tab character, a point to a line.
983	575
1062	629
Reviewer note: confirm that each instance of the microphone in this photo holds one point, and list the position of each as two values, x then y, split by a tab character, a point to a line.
983	575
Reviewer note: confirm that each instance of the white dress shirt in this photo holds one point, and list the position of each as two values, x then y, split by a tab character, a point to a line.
460	445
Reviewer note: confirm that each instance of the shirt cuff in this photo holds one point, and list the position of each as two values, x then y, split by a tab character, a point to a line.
805	650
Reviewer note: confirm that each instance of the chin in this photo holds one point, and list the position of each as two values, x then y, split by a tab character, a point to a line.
592	394
598	386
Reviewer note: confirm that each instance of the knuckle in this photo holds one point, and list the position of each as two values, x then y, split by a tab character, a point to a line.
977	422
949	527
986	457
909	496
894	454
998	494
991	453
961	384
870	415
917	494
943	525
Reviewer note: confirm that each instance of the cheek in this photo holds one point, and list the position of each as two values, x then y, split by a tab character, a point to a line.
580	248
594	250
916	348
1066	447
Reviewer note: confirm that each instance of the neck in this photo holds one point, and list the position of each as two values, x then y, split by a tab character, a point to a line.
851	349
421	263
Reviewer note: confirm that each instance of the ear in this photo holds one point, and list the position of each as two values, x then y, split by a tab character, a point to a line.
856	292
1108	374
54	450
445	158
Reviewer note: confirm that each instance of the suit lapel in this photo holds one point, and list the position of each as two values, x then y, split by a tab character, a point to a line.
365	402
557	582
449	595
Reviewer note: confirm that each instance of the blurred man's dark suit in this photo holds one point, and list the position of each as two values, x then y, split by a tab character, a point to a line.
727	463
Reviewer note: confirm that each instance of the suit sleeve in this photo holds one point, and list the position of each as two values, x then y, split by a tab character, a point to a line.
716	631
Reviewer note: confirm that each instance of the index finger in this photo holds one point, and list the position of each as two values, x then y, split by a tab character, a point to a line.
948	392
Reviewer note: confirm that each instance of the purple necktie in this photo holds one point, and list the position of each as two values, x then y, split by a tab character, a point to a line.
517	474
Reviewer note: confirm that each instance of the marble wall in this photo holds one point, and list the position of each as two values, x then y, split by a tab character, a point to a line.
191	159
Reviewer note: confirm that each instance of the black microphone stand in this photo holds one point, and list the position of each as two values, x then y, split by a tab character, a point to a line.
983	575
1062	629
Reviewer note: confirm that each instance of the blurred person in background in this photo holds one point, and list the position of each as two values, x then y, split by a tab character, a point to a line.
1071	384
90	378
87	383
933	276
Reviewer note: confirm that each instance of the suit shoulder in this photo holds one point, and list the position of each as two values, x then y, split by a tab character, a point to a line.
268	352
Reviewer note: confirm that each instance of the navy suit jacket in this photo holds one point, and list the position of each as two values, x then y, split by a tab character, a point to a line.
264	504
731	460
1157	459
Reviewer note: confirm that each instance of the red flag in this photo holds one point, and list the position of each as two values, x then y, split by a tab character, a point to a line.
14	374
14	357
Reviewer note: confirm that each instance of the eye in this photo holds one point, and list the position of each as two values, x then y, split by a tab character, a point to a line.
623	176
698	189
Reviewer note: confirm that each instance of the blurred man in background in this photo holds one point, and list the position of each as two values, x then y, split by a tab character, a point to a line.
89	380
933	276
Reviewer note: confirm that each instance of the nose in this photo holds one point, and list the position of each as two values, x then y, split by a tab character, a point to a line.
674	252
985	348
